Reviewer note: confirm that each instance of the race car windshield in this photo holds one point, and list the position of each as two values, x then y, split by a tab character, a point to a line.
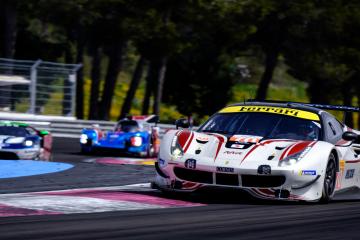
127	126
13	131
266	125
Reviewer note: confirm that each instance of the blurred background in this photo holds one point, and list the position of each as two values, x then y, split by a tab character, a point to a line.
104	59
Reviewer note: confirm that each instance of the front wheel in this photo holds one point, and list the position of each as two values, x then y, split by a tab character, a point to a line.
329	180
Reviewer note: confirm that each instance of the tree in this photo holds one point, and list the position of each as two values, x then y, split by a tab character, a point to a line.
202	73
325	52
135	81
275	21
9	15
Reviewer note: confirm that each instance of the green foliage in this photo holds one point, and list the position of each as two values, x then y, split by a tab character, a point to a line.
205	42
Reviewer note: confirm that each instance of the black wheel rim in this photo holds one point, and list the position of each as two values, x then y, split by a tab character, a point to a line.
330	177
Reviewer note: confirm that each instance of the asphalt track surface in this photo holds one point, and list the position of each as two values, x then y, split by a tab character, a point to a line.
222	215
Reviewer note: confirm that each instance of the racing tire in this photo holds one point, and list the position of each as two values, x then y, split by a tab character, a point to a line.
329	180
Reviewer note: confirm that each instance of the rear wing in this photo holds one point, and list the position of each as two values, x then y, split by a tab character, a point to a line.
315	105
345	109
333	107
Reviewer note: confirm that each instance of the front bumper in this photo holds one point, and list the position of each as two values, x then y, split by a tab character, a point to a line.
280	184
114	148
15	154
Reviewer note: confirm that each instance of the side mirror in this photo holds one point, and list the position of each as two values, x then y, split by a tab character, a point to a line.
182	122
43	133
350	136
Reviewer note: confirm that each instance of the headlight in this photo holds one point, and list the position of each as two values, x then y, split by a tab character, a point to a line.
28	143
292	159
136	141
15	140
176	149
83	138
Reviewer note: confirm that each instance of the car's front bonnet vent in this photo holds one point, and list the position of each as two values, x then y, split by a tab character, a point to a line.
227	179
193	175
262	181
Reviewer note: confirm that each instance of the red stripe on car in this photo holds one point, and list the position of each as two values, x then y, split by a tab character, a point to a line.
189	142
221	141
183	136
299	147
251	150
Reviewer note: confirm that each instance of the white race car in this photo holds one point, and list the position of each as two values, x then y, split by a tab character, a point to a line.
22	141
287	151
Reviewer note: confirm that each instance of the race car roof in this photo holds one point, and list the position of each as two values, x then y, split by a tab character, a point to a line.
13	124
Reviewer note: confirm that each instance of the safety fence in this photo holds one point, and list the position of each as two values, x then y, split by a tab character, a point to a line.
67	127
38	87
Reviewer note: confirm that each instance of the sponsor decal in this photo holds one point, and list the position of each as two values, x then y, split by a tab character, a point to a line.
225	169
342	165
349	173
161	162
245	139
339	175
190	163
232	153
31	151
307	173
239	146
275	110
114	135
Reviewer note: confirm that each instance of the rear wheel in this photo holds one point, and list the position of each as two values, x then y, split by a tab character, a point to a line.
329	180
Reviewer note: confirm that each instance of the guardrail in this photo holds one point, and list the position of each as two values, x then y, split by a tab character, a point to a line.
65	126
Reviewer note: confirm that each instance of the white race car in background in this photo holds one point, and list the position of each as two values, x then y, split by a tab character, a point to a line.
282	151
22	141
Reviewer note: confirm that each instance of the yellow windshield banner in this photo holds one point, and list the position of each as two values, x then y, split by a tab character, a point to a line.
276	110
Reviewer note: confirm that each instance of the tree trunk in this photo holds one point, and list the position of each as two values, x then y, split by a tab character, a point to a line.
149	88
95	83
159	85
8	48
270	64
315	95
115	65
10	30
80	81
133	87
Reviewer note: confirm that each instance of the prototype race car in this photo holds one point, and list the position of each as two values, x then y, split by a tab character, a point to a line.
287	151
135	136
22	141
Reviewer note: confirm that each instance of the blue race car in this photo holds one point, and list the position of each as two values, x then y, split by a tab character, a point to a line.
135	135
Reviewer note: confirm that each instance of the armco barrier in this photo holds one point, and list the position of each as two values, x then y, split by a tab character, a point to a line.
65	126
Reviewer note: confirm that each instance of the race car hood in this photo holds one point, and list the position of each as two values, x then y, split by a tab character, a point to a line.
240	150
3	138
114	137
118	137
